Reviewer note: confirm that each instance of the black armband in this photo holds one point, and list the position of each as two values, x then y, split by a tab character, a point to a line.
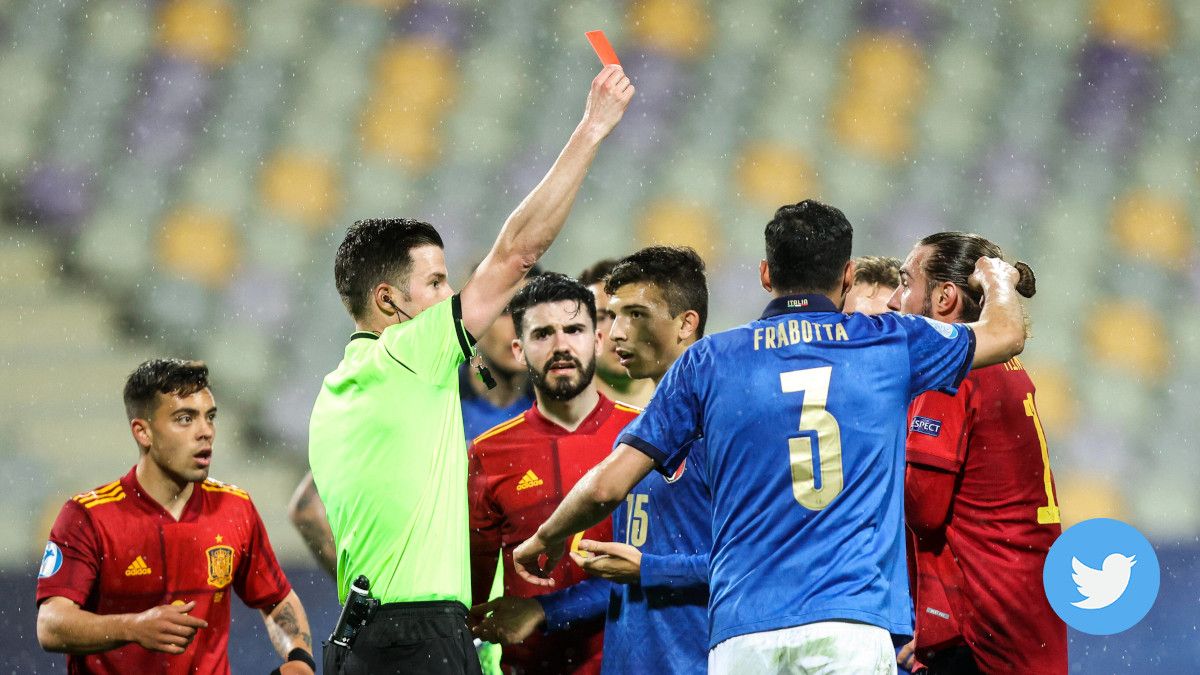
299	654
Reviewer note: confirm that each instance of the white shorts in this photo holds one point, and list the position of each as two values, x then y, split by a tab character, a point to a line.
823	648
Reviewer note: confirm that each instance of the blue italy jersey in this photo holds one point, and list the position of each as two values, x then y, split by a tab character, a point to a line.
803	418
660	625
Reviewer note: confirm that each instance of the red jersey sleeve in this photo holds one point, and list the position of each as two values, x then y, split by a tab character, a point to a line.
259	581
486	522
71	563
937	429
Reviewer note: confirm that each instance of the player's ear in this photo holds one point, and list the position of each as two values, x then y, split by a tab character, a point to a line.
689	324
948	300
848	276
764	275
142	435
518	351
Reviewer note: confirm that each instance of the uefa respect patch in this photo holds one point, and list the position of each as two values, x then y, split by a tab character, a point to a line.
927	426
52	561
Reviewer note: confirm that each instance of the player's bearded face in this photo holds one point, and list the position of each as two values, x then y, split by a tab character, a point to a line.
559	346
182	430
563	376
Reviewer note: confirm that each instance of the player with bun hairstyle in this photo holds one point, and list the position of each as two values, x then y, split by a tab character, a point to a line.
979	493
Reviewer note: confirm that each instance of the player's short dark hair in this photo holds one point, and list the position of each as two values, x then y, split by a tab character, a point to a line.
378	250
550	287
808	246
952	258
678	271
596	273
162	376
877	269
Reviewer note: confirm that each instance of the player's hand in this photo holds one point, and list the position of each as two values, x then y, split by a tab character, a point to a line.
609	97
166	628
528	556
990	272
907	656
610	560
506	620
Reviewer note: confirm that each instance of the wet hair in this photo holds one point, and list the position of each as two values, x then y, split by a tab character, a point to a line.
162	376
597	272
678	271
877	269
374	251
952	258
550	287
808	246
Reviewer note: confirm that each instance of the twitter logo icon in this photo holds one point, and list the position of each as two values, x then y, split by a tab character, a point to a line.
1101	576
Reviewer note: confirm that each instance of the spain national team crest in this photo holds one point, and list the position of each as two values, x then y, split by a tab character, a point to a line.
220	565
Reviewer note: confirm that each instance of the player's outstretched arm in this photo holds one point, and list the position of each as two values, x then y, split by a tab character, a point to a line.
1000	330
62	626
307	513
535	223
287	625
590	501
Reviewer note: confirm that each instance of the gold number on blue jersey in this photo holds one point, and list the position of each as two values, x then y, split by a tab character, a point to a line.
814	382
637	520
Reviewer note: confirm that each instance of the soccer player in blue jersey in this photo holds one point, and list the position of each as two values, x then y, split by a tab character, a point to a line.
657	618
802	413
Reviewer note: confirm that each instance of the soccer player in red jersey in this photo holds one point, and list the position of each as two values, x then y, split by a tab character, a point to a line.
137	573
521	468
979	494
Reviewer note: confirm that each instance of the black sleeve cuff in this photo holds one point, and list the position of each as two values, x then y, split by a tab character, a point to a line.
970	357
646	448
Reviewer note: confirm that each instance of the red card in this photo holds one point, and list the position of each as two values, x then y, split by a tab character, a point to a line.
602	47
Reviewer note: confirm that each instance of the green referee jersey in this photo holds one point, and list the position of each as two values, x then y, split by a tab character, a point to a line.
387	453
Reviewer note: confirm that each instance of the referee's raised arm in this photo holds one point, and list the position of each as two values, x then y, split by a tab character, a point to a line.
537	220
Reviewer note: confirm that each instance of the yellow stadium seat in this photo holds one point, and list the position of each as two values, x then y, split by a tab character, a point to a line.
671	221
198	245
1143	25
302	187
769	175
1154	226
680	28
204	30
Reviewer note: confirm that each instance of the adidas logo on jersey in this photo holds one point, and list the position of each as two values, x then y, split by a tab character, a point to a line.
137	568
529	480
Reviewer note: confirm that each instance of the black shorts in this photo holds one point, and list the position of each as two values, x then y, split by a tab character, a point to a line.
409	637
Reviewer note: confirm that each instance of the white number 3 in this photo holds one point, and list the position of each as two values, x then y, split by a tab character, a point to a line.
816	421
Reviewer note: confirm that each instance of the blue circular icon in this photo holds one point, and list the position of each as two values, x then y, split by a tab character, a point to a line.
1101	576
52	561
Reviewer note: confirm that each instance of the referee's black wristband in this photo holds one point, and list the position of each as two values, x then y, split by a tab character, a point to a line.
299	654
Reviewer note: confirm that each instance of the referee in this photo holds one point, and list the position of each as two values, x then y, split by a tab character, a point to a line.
386	434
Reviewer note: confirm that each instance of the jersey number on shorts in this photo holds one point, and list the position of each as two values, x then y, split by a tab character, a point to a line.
1047	514
816	469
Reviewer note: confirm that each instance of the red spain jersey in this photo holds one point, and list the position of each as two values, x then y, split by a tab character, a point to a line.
979	579
114	550
520	471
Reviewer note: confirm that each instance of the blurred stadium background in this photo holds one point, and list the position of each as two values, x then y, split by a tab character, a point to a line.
175	176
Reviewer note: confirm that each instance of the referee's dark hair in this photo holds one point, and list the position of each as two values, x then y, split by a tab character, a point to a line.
550	287
596	273
808	246
378	250
677	270
162	376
